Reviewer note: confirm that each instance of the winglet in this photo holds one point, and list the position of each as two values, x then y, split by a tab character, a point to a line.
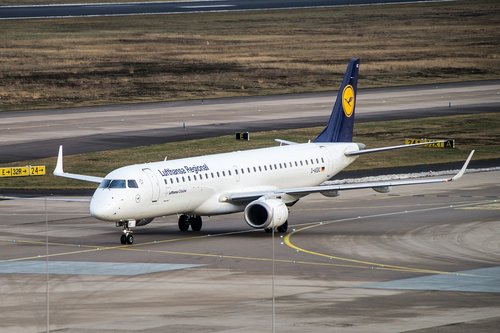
58	171
464	167
59	165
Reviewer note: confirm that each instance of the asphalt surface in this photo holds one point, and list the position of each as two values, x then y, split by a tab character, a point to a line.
175	7
30	135
419	259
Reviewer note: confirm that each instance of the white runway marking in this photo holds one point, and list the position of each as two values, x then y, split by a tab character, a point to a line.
477	280
88	268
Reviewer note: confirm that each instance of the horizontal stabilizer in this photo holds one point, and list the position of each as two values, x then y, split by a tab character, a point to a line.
377	150
286	142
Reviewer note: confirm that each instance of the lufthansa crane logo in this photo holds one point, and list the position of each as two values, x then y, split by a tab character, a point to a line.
348	100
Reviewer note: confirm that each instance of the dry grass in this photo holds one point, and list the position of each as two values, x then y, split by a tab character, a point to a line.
88	61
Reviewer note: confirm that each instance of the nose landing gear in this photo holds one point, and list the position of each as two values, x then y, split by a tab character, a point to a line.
127	238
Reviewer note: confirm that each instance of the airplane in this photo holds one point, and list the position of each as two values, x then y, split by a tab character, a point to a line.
263	183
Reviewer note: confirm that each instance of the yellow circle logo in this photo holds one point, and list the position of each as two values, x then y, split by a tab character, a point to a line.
348	100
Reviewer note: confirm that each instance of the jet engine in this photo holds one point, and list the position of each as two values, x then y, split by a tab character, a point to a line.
266	213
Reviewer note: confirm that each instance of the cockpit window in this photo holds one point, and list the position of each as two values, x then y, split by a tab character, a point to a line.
117	183
105	183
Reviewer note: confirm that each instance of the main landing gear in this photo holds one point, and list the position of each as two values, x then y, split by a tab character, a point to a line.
190	220
127	238
281	229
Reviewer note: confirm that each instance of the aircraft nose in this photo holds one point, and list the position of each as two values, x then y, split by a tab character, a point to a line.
101	208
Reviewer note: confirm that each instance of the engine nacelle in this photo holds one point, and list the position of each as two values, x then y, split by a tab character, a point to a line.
266	213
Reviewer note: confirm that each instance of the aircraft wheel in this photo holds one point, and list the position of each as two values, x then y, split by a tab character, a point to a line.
283	228
183	222
129	239
196	223
123	239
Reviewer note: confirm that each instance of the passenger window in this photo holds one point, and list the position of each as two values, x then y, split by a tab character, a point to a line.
223	174
189	178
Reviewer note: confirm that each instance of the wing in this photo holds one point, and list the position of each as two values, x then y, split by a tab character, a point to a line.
60	172
382	186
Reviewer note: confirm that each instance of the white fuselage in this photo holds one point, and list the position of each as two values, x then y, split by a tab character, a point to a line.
200	185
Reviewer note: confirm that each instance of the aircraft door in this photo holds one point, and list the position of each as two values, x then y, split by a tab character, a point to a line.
155	184
328	161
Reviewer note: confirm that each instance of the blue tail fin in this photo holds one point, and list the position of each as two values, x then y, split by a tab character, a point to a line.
341	123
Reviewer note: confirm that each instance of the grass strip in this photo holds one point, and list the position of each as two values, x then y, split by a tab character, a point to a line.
478	132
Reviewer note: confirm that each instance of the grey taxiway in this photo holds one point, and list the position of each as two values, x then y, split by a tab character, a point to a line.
419	259
171	7
37	134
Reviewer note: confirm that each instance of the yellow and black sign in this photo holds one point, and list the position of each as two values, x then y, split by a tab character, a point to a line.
348	100
19	171
5	172
28	170
37	170
443	143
